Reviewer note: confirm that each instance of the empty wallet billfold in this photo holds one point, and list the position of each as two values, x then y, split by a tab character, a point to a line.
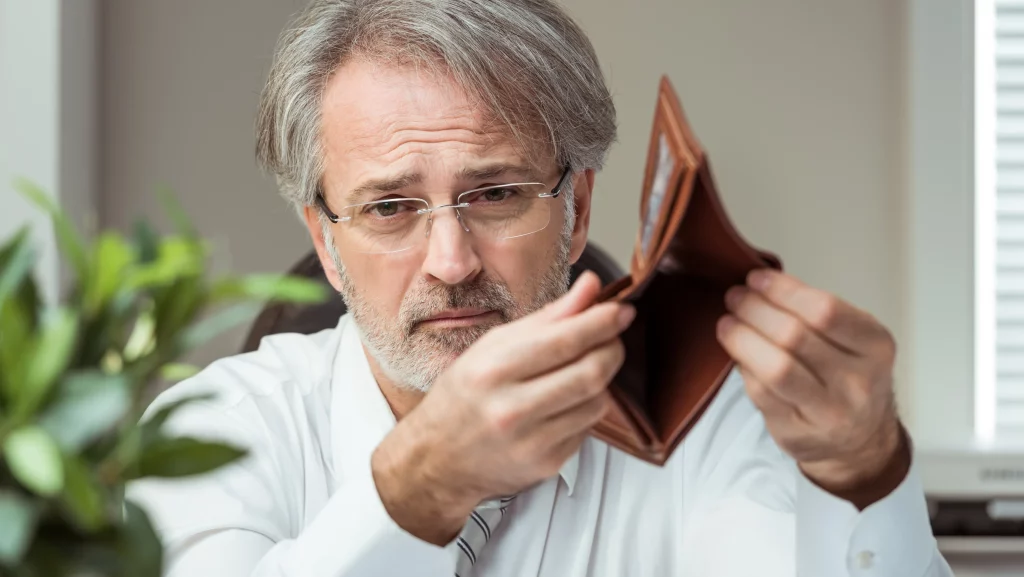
687	255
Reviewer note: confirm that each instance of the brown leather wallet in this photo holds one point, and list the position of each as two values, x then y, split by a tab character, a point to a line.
686	257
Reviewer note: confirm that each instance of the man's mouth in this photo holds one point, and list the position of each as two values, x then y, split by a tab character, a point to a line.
458	318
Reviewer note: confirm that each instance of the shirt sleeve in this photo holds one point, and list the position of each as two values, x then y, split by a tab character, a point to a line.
352	537
355	536
746	495
891	537
246	519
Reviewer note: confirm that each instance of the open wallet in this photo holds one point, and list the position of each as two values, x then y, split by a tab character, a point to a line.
687	255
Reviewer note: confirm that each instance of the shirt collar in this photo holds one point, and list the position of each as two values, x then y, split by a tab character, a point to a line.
361	416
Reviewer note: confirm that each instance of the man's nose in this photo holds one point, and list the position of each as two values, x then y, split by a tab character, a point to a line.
451	251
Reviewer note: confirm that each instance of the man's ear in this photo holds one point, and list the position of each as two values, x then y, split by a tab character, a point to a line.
316	233
583	188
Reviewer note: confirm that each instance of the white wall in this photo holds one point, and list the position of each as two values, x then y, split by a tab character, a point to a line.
79	111
48	119
180	89
940	223
29	121
800	105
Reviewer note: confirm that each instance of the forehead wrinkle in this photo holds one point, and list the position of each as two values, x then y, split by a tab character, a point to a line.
421	143
408	115
390	131
391	138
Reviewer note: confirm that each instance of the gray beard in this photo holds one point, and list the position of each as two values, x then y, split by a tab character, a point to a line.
413	357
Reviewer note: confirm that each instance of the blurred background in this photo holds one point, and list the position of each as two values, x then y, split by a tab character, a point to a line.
873	145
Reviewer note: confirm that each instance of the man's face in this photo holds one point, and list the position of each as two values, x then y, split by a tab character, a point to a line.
421	307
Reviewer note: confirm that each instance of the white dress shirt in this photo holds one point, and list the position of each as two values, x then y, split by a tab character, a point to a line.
303	503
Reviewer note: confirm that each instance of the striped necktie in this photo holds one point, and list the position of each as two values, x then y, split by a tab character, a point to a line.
477	532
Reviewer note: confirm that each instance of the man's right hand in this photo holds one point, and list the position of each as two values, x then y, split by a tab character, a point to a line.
506	415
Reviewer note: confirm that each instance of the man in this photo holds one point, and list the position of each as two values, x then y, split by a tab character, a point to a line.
442	154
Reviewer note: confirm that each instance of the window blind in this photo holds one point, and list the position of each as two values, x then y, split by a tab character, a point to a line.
1009	217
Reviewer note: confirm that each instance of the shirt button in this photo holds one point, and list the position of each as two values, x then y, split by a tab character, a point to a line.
865	559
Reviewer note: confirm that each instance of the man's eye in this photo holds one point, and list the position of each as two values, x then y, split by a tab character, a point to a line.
498	194
384	209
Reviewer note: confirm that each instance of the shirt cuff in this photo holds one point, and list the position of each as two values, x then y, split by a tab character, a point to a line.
355	535
892	537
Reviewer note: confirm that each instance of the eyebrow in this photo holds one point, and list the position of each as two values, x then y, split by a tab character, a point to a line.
494	170
383	185
398	182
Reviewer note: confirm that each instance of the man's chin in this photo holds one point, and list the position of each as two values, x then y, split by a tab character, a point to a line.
450	342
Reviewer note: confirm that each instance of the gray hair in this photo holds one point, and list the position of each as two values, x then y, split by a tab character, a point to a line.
526	61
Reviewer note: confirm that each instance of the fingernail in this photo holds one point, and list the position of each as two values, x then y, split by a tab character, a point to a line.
575	287
725	324
583	279
759	279
733	296
626	316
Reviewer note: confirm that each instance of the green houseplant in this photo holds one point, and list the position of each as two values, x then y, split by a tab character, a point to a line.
76	376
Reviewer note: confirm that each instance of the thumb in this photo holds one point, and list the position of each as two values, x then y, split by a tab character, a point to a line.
579	297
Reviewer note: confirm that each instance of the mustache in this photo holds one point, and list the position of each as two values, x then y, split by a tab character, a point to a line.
486	294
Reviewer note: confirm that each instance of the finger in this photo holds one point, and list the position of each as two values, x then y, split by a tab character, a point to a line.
769	364
576	420
790	428
572	384
765	399
846	326
826	361
552	457
562	450
580	296
534	350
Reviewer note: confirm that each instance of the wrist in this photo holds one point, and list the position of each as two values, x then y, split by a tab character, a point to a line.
870	475
430	510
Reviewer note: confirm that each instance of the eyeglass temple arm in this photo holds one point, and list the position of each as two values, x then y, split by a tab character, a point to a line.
331	216
561	182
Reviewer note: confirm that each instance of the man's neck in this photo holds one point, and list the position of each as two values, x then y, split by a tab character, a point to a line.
401	399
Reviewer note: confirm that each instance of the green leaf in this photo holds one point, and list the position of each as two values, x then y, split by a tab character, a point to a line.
217	323
146	240
185	456
88	404
177	213
46	360
82	496
35	194
68	239
100	333
19	306
124	464
151	426
112	363
15	337
175	372
16	259
18	518
35	460
177	258
175	308
270	287
143	337
62	552
112	256
139	547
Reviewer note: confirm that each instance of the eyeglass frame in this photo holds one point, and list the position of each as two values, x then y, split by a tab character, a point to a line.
334	218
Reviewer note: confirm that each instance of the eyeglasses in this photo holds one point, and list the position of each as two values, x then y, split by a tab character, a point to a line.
498	212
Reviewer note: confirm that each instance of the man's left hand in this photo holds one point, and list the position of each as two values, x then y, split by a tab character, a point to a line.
821	372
